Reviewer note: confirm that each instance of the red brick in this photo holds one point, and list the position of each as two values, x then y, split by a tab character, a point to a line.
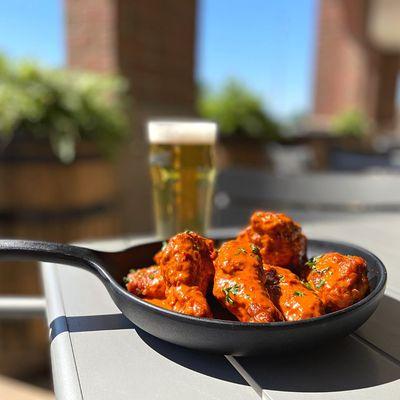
351	73
150	42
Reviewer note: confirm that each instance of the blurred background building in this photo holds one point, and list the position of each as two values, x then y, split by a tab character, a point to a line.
358	60
301	90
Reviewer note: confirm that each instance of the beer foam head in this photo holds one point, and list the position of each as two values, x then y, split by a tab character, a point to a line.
182	132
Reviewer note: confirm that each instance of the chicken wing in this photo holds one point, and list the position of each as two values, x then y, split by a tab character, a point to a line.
339	280
147	283
186	264
239	286
279	238
296	300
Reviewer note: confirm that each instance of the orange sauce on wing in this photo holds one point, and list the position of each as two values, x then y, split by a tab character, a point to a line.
239	286
339	280
187	267
294	299
279	238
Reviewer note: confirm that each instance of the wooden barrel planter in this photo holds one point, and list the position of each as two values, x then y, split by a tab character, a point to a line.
242	152
41	198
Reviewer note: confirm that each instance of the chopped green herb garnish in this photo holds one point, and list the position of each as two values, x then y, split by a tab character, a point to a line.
151	276
321	283
246	296
126	279
255	249
241	250
322	271
313	261
231	289
307	285
281	278
132	270
298	293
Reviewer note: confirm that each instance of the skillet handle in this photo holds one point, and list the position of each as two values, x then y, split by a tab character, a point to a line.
33	250
30	250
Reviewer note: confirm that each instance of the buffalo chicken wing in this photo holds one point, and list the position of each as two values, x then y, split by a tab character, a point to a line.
339	280
295	299
147	283
187	267
262	276
239	286
279	238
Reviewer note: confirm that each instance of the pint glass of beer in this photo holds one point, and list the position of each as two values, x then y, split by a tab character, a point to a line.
183	174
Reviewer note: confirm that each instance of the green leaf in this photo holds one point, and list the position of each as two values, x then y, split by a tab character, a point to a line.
241	250
238	111
231	290
307	285
311	263
320	283
350	123
63	106
254	249
298	293
323	271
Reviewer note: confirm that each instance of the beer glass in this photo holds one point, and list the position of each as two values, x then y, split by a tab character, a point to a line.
183	174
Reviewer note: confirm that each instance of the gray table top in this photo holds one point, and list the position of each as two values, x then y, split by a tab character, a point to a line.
97	354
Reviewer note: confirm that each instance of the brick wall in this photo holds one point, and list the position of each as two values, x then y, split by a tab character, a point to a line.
152	43
91	35
351	73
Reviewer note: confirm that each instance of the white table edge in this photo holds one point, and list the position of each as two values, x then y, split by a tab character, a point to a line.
65	380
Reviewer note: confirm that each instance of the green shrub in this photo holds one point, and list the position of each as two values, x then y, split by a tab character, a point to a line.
238	112
62	106
350	123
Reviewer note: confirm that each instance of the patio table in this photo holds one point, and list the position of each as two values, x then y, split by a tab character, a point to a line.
97	354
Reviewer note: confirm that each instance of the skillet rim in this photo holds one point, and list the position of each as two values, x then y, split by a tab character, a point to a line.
213	323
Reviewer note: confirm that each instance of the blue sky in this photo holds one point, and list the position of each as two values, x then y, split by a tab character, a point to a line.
267	44
33	28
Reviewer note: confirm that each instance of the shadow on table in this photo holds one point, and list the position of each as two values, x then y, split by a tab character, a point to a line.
383	328
204	363
213	365
348	364
88	323
368	358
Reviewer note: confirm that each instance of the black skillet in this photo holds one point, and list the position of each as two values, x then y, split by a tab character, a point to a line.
212	335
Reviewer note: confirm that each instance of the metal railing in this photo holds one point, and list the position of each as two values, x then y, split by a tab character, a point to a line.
12	307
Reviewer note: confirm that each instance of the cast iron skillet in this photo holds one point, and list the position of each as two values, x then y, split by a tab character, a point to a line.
216	336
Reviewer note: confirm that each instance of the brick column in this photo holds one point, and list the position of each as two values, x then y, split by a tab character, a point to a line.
150	42
351	73
342	60
384	107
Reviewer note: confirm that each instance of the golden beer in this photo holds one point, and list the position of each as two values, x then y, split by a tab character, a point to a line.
183	175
